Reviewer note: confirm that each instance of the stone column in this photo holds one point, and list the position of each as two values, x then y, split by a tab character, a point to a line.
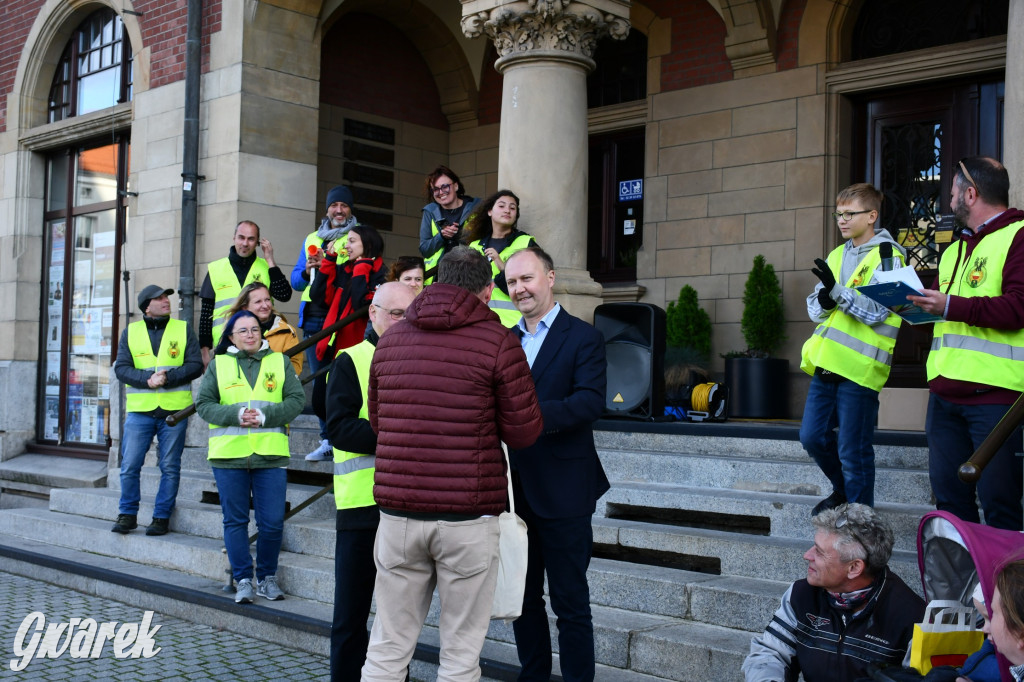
1013	143
545	50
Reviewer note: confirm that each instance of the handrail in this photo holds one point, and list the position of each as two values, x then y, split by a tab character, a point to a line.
173	419
970	471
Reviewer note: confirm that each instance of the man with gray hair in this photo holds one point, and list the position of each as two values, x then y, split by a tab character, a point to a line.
850	611
447	385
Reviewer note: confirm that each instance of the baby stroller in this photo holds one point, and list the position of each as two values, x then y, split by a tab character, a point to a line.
954	556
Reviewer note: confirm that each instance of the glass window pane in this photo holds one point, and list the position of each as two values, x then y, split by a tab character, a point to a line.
53	277
96	176
57	191
92	306
98	91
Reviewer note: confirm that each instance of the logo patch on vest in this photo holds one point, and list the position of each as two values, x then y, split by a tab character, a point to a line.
818	622
269	382
172	349
858	277
978	274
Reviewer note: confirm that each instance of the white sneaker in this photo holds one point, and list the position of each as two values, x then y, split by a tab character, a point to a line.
322	453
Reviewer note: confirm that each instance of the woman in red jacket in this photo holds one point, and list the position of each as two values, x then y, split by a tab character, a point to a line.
347	287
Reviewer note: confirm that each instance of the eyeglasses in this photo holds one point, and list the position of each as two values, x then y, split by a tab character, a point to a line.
847	215
443	189
394	313
841	521
253	331
967	175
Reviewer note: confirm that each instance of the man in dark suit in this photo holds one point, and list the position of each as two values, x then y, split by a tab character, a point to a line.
558	480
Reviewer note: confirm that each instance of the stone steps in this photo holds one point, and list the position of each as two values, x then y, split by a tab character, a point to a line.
725	471
699	537
647	589
772	514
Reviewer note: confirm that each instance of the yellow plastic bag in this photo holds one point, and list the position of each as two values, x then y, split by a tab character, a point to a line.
946	637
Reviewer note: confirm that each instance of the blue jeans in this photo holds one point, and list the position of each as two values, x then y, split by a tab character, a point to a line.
954	433
310	326
139	430
847	459
267	489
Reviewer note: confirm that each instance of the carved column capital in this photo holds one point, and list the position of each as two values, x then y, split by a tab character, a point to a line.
546	29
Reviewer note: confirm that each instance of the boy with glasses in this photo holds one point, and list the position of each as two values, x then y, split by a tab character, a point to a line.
849	354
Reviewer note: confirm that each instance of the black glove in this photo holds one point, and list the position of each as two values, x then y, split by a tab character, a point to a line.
828	280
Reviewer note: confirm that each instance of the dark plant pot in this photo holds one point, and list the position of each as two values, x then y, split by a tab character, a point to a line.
758	387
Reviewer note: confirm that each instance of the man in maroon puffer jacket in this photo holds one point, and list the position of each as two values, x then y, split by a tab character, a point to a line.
446	385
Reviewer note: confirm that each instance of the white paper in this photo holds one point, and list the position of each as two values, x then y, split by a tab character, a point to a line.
906	274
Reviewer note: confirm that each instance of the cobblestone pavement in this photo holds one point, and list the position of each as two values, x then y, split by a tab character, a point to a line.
187	651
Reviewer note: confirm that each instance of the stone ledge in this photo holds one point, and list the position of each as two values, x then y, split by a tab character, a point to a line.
51	471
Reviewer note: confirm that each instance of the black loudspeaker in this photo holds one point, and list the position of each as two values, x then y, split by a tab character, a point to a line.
634	336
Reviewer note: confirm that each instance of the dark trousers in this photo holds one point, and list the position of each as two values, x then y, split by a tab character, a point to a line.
954	432
562	548
354	575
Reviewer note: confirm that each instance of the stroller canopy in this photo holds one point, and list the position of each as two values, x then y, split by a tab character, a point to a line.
955	555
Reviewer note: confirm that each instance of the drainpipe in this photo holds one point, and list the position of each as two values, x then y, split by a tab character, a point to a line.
190	163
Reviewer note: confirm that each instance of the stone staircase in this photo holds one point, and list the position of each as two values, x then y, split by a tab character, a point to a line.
702	531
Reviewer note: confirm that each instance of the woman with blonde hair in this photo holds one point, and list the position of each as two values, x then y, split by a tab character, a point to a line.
255	297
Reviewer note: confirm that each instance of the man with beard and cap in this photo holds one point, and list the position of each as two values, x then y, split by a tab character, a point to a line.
975	371
157	359
335	225
226	277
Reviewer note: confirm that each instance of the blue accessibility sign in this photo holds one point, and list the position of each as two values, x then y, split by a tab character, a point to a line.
631	190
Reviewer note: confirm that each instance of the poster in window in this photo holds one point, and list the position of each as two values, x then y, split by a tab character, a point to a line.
103	273
53	332
73	423
91	429
52	373
51	424
57	244
87	330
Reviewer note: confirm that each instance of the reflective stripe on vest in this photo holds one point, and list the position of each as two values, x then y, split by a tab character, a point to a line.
994	357
170	355
226	288
500	302
231	442
311	240
353	472
845	345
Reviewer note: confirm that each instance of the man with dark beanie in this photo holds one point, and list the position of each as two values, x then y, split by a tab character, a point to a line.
226	277
335	225
157	359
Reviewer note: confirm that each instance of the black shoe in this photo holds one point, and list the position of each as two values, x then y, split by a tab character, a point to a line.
158	527
125	524
830	502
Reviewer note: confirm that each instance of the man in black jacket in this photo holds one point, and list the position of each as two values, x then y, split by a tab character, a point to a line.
157	359
357	515
850	611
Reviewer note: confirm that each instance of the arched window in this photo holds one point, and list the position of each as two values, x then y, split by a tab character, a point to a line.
84	220
885	27
95	71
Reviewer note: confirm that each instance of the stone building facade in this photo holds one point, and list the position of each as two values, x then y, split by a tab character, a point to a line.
741	118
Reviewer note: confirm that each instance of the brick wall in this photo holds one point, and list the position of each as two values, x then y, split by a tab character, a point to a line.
379	72
163	31
788	35
698	52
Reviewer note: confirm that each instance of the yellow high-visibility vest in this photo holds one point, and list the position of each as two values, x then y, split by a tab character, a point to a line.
230	442
500	302
171	354
353	472
226	288
845	345
982	355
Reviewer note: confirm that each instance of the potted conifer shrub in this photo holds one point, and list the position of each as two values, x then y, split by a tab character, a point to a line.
688	341
759	383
